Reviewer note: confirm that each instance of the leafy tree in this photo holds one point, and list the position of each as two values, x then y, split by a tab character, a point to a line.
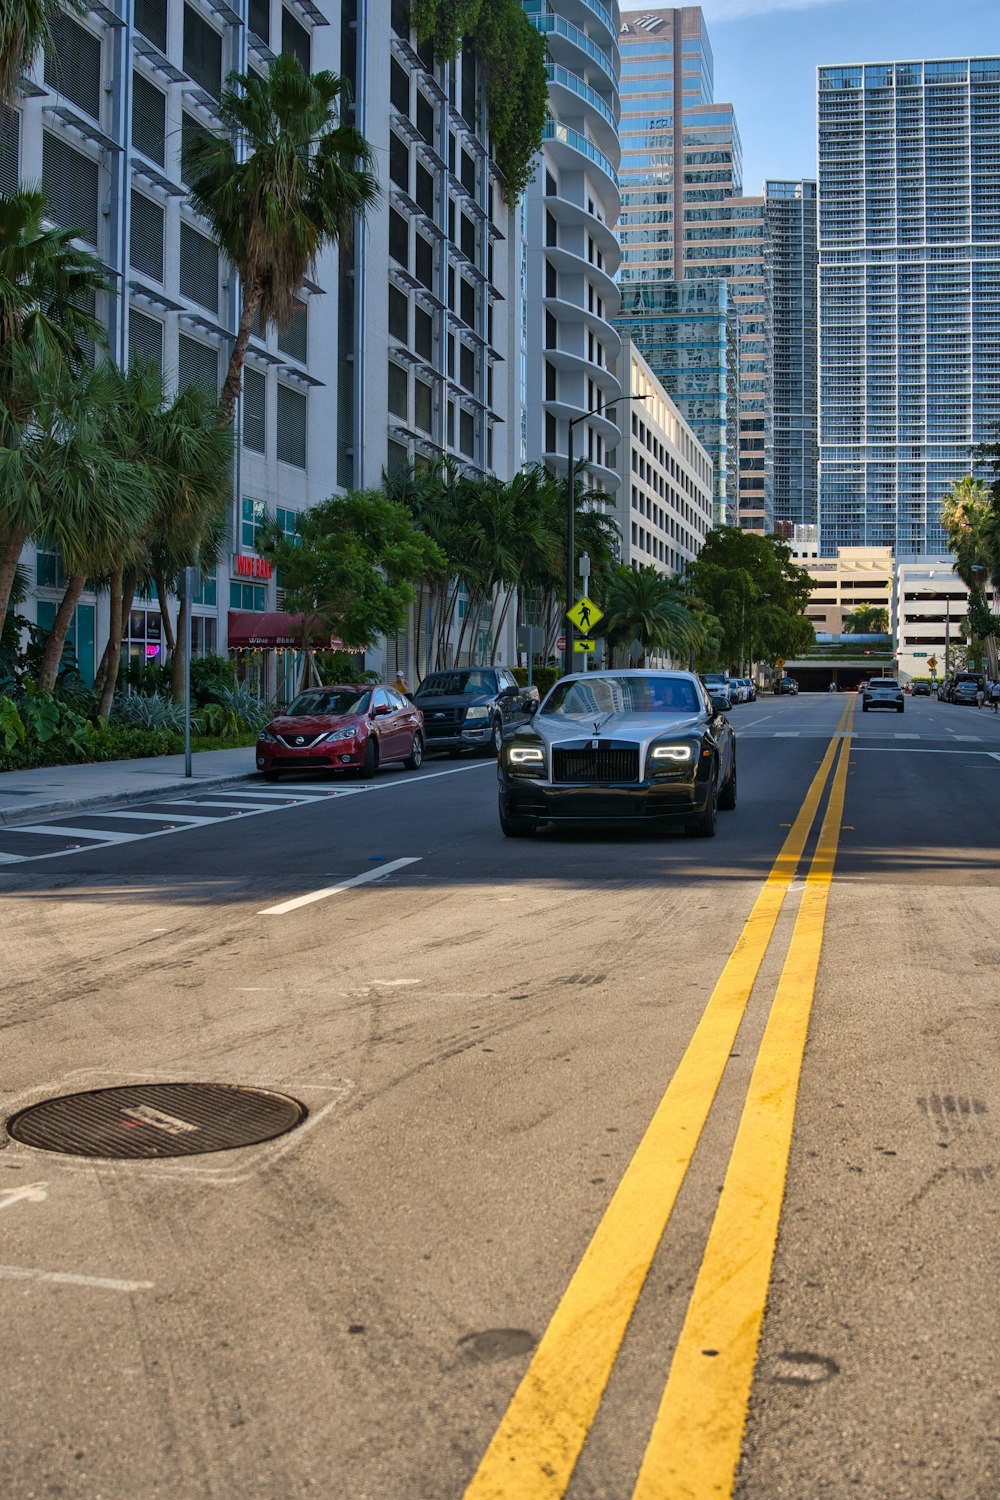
512	55
284	181
25	27
970	515
45	283
352	567
757	594
650	607
867	619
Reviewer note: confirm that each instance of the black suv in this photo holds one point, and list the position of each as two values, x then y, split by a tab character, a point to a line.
468	708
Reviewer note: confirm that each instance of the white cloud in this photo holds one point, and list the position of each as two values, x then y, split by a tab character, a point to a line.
734	10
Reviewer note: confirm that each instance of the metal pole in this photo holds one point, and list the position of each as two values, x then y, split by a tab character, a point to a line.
947	636
570	548
187	671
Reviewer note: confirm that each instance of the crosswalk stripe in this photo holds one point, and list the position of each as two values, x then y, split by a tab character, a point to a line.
101	835
137	817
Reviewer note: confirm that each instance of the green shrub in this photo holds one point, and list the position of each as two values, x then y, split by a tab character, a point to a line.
211	676
249	711
542	677
12	731
148	711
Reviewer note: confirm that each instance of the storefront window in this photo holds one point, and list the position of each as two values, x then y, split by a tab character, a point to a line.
143	638
252	596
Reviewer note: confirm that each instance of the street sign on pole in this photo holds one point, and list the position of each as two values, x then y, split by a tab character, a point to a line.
561	644
584	614
587	646
190	585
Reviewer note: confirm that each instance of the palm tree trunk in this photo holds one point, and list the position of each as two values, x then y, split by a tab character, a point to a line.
162	594
177	659
13	546
121	603
234	375
52	655
512	594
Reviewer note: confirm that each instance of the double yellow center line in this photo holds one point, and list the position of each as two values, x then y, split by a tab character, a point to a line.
695	1443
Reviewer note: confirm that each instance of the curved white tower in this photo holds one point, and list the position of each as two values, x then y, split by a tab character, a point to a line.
569	251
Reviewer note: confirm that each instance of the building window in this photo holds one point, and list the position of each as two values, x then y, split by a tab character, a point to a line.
288	520
550	433
149	115
252	514
398	391
296	40
467	433
10	139
259	19
151	21
467	296
145	339
399	238
71	183
73	65
397	458
423	405
467	367
202	52
399	88
197	364
254	410
146	242
399	310
423	332
294	340
248	596
424	191
425	117
199	268
143	638
424	265
292	410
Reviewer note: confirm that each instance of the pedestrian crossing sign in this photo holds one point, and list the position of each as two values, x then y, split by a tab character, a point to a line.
584	614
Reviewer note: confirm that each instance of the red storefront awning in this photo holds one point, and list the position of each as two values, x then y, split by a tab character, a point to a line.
277	631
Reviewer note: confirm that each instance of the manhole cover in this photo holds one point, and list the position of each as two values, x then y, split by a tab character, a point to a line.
156	1119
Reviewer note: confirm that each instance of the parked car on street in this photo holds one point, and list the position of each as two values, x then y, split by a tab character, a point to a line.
883	692
473	708
349	729
944	690
621	748
720	685
787	685
965	691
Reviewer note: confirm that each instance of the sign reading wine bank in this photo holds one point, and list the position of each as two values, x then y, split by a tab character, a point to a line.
252	567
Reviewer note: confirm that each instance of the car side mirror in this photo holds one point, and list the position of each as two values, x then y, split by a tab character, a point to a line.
510	691
382	708
533	705
720	703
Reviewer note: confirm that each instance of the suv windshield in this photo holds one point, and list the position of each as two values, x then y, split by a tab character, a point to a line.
608	694
470	683
883	682
348	700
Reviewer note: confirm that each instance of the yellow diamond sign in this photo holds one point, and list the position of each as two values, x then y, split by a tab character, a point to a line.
585	614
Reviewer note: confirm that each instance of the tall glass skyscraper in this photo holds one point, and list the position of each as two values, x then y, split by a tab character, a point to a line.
684	219
792	452
909	293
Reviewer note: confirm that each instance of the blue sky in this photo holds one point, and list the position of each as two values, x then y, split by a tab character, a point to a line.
767	51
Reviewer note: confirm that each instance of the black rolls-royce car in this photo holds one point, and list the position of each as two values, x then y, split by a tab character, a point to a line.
619	748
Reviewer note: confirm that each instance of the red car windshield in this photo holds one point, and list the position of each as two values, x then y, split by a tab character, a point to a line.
330	701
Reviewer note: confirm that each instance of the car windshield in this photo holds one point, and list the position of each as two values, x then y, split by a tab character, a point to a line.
884	682
610	694
344	700
470	684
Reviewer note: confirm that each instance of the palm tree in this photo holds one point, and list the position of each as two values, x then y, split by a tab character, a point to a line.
305	177
45	283
64	474
650	607
186	457
969	518
867	619
25	26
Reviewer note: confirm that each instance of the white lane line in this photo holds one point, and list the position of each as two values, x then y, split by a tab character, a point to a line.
975	737
11	859
32	1192
342	885
906	736
102	835
67	1278
918	750
134	817
787	734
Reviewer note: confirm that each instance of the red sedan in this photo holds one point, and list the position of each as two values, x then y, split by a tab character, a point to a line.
349	729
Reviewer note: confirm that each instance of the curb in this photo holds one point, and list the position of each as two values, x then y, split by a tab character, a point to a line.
11	817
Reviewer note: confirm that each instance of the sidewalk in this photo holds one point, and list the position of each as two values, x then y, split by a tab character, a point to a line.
26	796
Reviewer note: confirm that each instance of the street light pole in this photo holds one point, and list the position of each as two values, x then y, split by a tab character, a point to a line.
571	513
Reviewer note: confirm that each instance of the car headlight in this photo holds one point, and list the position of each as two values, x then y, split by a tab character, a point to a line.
676	754
266	738
526	755
476	713
338	734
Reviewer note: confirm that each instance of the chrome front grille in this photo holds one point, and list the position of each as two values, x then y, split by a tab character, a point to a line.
299	741
588	765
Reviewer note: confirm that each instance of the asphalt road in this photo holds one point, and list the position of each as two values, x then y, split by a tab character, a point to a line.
522	1244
